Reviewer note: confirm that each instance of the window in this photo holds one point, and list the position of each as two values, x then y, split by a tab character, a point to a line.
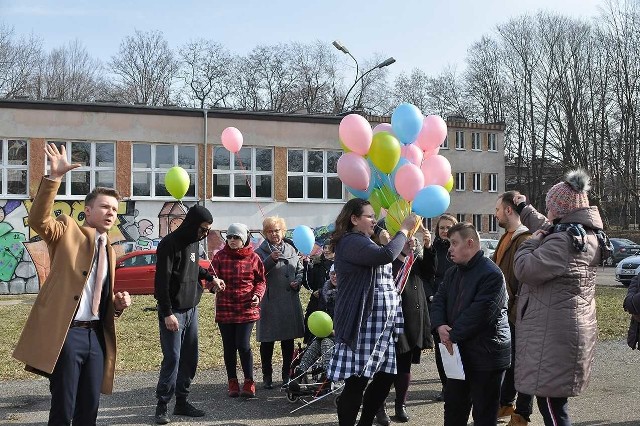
460	181
245	174
476	144
313	175
427	222
477	222
493	182
460	217
97	167
477	182
151	163
445	144
493	142
493	223
459	139
14	171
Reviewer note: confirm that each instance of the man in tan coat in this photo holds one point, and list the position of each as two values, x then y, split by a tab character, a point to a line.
69	336
519	408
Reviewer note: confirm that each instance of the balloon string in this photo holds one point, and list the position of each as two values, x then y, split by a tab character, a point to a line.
248	182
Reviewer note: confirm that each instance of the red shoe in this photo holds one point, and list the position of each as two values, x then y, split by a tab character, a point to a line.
234	388
248	389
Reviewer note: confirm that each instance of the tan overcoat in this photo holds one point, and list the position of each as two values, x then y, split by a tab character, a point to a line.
71	249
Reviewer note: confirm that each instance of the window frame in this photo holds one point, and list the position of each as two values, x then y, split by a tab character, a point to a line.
232	172
493	182
445	143
477	182
306	174
476	141
92	169
493	223
492	142
461	217
476	220
460	182
460	140
6	167
154	170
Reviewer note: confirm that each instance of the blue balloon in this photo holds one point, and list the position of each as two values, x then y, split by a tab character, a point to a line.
360	194
304	239
431	201
406	122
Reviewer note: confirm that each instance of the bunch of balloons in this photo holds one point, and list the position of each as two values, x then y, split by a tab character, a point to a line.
397	166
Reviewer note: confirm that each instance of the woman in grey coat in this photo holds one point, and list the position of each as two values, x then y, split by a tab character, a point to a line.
556	328
281	316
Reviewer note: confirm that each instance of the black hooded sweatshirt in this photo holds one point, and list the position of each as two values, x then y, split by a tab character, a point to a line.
178	274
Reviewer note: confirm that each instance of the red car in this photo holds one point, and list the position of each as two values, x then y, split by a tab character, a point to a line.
136	271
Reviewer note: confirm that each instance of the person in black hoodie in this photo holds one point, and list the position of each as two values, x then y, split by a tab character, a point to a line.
178	291
317	277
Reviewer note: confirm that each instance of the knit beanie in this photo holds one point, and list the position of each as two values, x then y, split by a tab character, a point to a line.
239	230
570	194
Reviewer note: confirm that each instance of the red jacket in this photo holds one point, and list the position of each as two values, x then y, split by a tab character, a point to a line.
244	276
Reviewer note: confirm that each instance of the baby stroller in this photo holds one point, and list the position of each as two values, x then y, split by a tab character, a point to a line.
310	384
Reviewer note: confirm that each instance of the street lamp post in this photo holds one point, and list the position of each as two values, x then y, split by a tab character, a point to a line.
382	64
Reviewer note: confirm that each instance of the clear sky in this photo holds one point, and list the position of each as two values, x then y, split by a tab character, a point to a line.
427	34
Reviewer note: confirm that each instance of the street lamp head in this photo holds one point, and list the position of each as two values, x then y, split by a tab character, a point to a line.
386	63
340	47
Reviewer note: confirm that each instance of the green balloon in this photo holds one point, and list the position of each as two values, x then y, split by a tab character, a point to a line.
397	212
177	182
375	201
384	152
385	195
320	324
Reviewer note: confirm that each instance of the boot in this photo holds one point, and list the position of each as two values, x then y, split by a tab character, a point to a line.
382	418
162	418
401	413
234	388
517	420
267	381
183	408
248	389
506	411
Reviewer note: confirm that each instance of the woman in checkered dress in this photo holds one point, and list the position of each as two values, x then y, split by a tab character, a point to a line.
367	316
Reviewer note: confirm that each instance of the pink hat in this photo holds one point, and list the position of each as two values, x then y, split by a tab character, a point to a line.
570	194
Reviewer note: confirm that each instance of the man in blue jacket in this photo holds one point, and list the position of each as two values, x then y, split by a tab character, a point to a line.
470	310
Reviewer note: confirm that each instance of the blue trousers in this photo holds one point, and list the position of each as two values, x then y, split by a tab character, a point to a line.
76	379
180	355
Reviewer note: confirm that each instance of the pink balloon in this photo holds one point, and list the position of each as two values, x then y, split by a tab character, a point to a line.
355	132
354	171
382	127
409	180
431	153
434	130
232	139
412	152
437	170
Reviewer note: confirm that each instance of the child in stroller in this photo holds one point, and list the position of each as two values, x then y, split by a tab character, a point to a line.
308	376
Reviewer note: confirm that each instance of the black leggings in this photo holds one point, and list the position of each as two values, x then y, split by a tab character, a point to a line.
352	397
266	355
236	338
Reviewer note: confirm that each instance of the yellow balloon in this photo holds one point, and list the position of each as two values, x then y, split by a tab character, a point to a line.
343	146
449	185
397	212
177	182
384	152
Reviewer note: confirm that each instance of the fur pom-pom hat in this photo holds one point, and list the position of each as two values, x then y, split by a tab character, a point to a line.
569	194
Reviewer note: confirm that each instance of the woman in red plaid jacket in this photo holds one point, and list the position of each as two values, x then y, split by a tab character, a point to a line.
240	286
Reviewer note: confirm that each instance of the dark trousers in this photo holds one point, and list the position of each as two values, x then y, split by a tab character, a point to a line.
524	402
179	356
481	389
354	394
403	378
441	373
236	340
76	379
554	411
266	356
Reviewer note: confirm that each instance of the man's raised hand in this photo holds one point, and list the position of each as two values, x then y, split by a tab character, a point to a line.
58	162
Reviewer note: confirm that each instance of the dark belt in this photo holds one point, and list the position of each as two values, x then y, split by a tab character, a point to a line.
85	324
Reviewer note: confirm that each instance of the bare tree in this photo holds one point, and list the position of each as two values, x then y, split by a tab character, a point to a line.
145	69
413	88
18	60
206	72
315	68
484	80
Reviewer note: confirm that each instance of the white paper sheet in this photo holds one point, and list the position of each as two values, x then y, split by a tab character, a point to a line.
452	363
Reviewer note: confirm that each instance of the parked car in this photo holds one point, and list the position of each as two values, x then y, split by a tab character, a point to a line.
136	271
622	248
488	246
627	269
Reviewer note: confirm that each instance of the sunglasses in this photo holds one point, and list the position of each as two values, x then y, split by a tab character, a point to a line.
203	230
233	237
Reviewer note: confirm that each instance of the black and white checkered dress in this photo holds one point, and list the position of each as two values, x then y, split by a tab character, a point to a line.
375	350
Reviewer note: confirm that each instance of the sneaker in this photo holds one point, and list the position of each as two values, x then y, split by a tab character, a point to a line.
517	420
162	418
267	381
183	408
382	418
506	411
234	388
248	389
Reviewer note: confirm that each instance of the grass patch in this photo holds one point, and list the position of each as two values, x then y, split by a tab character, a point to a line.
139	345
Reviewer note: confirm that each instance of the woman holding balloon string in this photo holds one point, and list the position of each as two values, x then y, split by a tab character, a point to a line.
368	315
281	316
